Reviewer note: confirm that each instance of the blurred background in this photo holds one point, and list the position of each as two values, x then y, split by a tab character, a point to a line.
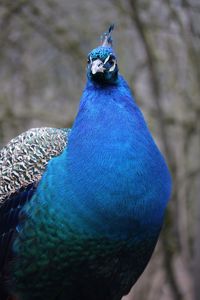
43	51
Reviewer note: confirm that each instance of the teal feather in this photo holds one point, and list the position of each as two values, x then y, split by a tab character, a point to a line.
91	226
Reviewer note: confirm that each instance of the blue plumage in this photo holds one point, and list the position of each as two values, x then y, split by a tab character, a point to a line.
94	219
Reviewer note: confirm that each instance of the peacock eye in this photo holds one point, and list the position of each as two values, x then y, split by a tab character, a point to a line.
112	57
88	60
110	60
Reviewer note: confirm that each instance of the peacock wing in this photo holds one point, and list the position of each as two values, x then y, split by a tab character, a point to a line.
24	158
22	163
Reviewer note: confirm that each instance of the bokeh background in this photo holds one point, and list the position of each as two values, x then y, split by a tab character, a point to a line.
43	50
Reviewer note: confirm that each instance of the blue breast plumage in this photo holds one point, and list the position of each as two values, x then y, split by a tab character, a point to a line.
91	225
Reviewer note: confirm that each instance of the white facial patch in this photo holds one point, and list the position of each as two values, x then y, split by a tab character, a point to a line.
114	63
113	66
97	66
107	59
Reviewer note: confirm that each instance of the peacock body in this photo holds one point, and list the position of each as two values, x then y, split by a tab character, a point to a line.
85	217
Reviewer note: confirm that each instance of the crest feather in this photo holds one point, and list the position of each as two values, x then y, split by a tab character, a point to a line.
106	38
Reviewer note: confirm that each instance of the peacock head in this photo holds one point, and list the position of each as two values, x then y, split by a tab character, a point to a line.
102	63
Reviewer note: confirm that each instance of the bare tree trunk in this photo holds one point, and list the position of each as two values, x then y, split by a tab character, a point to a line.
197	238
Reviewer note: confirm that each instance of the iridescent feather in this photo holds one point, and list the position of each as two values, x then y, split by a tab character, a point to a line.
93	220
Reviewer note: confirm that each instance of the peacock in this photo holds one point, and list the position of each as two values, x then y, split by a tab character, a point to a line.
81	209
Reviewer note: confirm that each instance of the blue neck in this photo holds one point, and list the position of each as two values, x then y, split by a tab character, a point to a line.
112	173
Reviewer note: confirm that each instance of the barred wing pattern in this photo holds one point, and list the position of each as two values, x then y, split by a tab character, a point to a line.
22	163
24	158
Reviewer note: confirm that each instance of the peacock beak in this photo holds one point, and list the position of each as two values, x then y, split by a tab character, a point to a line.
97	66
